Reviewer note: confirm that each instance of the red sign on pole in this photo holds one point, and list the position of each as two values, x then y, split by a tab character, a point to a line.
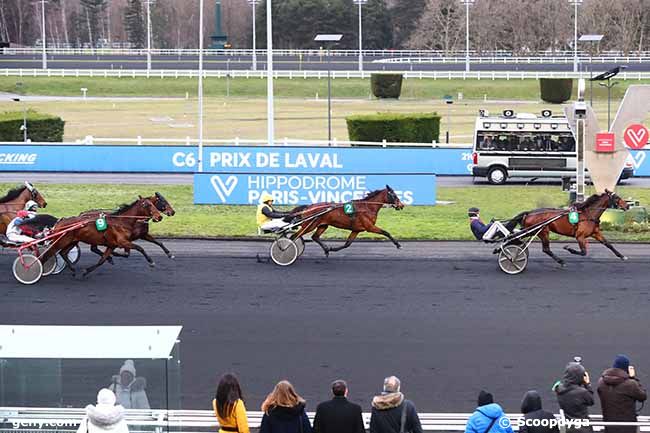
605	142
636	136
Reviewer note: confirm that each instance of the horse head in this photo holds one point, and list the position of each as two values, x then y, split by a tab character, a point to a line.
393	199
162	204
151	210
35	195
616	202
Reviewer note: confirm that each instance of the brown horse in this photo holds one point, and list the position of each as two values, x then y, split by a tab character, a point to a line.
141	230
121	225
15	200
363	218
588	225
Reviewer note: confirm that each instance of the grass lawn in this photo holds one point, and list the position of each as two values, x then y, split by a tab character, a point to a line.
447	222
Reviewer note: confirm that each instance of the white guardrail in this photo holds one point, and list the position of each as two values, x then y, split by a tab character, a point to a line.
558	56
436	75
45	420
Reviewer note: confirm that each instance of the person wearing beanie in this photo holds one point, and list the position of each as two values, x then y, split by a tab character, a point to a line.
130	389
619	391
488	417
391	412
574	395
105	416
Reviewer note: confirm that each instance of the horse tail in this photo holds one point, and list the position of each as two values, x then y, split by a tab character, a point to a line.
516	220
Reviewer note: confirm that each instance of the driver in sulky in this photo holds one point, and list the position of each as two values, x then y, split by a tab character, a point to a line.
269	219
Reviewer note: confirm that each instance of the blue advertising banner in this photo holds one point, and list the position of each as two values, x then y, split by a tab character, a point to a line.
299	189
184	159
641	162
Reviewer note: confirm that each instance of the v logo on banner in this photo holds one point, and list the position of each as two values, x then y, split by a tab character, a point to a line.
224	189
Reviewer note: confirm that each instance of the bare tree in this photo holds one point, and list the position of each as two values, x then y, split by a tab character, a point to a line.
440	26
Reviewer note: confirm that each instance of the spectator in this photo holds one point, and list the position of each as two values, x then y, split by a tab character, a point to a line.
391	412
488	417
338	415
105	416
284	411
228	405
531	407
619	390
129	389
574	395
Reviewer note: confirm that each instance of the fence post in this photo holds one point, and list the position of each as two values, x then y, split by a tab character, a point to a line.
139	142
187	140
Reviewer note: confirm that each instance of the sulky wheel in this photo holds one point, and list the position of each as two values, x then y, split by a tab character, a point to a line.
300	243
60	265
49	266
513	259
74	254
28	270
284	252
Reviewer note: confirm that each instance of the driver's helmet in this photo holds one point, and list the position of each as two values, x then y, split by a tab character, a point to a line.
266	197
473	212
22	214
31	206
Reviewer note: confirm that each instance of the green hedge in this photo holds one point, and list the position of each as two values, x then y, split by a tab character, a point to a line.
402	128
386	85
40	127
555	90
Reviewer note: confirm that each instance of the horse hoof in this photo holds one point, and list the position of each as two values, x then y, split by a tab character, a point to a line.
624	258
152	265
399	247
566	247
171	257
563	265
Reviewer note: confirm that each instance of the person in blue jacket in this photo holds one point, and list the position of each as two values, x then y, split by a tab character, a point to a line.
488	417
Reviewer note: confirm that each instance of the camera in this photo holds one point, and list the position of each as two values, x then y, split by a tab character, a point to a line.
577	359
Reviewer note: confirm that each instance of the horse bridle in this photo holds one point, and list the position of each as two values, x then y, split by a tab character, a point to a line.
392	198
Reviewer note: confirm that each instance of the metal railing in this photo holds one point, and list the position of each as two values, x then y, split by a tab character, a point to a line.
435	75
45	420
460	54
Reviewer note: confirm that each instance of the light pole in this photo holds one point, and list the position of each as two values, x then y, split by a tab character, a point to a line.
270	116
580	111
149	34
608	76
360	3
331	39
254	3
43	35
575	4
24	126
467	4
200	86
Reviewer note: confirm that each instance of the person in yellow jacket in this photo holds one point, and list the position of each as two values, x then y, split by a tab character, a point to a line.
229	407
268	219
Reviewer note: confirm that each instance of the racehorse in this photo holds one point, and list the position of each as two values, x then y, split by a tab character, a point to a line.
118	234
362	219
141	230
15	200
588	224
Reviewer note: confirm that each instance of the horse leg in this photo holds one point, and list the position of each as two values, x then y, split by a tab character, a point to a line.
600	238
151	239
316	238
582	243
380	231
348	242
64	255
546	246
95	249
101	261
126	254
141	250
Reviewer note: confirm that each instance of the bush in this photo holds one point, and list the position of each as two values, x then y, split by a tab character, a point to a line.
401	128
40	127
386	85
555	90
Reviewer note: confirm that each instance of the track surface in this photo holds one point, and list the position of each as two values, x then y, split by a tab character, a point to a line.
343	63
439	315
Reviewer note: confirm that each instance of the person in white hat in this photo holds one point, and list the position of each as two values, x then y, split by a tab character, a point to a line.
130	389
105	416
268	219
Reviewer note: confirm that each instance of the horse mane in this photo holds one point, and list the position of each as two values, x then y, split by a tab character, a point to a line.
590	201
374	193
124	207
12	194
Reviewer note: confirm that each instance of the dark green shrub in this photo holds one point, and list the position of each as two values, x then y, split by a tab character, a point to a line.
401	128
386	85
40	127
555	90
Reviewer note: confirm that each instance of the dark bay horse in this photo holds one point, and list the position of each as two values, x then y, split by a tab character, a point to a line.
588	225
118	234
15	200
141	229
363	219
